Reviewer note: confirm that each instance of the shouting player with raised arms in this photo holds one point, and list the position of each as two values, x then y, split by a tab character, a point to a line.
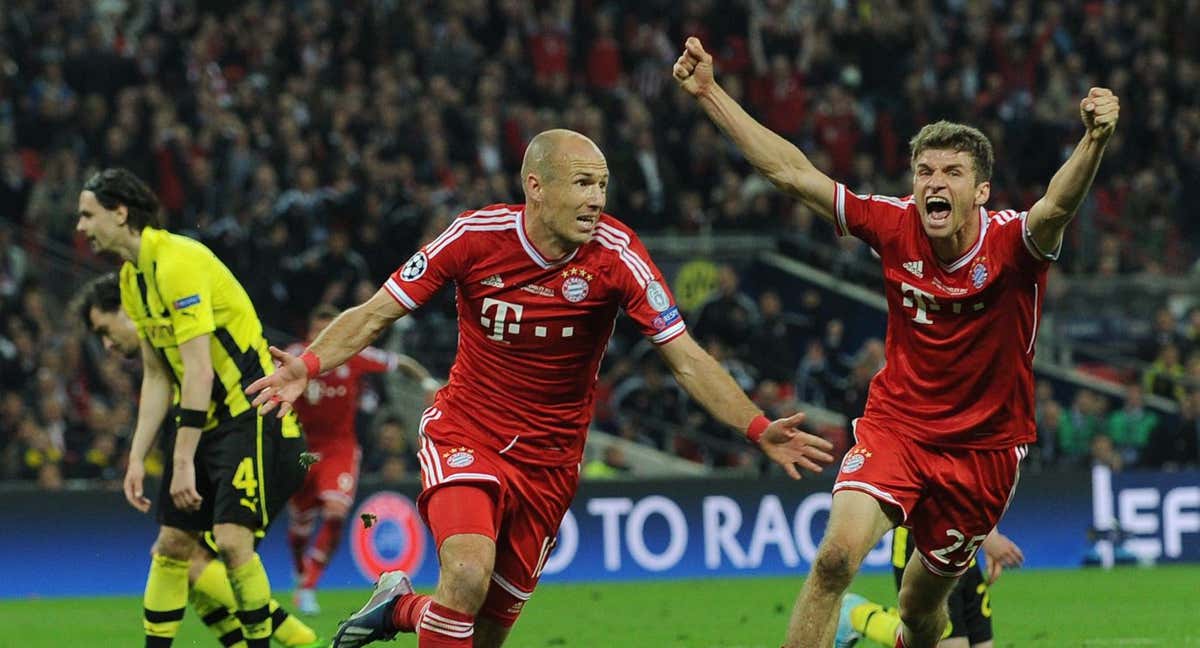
538	289
949	416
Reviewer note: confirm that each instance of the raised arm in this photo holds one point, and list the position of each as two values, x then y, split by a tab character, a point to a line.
345	336
710	385
1049	216
777	159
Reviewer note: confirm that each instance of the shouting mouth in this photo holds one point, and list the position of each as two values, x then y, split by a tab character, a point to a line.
586	222
937	209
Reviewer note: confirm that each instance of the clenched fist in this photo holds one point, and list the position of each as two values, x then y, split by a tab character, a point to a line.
694	68
1099	111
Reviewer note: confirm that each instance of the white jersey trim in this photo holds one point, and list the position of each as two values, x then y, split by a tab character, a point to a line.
873	491
617	241
432	249
532	251
841	227
966	258
1032	245
517	593
942	572
840	210
670	333
1033	336
399	295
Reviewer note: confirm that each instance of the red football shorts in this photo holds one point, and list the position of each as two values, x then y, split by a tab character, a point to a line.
951	498
528	502
333	477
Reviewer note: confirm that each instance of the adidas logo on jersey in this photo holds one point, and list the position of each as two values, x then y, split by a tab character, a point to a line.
916	267
494	281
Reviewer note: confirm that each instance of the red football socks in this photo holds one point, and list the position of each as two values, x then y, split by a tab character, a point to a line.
442	627
322	548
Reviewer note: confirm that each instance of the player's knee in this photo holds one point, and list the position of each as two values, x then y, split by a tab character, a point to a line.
834	567
464	584
922	619
174	543
235	543
334	509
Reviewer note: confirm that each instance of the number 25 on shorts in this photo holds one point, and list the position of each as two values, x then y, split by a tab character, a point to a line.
959	540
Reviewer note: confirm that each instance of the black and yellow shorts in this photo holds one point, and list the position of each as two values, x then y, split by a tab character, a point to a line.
246	469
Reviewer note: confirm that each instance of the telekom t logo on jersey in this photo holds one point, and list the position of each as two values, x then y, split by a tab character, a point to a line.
506	319
924	302
506	314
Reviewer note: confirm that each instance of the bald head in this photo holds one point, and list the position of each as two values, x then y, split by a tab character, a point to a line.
550	151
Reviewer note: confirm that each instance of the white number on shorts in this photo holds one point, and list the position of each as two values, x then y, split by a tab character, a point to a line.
959	540
547	547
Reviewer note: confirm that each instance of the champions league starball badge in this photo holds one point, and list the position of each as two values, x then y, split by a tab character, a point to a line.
415	267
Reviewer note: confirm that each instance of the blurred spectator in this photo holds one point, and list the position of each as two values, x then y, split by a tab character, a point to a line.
1165	376
649	404
294	138
1178	446
1080	425
774	346
389	454
1131	427
1104	453
730	315
611	464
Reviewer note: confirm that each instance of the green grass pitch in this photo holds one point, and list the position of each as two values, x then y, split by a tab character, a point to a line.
1036	608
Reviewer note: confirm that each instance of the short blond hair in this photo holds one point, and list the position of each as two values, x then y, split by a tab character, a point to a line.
952	136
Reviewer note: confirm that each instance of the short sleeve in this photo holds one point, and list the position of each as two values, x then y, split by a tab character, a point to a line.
1012	229
643	292
433	266
877	220
186	290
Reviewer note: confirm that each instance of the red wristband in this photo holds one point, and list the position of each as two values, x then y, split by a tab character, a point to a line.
312	363
756	428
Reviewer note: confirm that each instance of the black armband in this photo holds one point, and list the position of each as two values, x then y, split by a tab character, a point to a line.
191	418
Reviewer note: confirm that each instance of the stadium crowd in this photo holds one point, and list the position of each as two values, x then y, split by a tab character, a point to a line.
313	144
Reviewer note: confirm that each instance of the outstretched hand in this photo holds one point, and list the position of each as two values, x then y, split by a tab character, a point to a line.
1099	111
694	68
787	445
1000	552
281	388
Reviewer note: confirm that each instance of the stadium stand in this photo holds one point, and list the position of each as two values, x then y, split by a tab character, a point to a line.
313	144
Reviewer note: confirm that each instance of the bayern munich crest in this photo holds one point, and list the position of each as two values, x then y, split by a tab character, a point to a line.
854	460
979	274
395	540
459	457
575	284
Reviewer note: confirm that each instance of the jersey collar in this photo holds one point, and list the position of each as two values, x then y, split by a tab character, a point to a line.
532	251
148	249
966	258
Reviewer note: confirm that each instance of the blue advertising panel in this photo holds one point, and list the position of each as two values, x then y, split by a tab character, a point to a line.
1156	513
83	543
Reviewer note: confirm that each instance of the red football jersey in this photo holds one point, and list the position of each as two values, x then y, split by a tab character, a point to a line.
960	336
532	330
328	407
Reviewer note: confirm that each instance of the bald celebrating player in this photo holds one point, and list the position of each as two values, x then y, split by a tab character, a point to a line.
538	288
949	416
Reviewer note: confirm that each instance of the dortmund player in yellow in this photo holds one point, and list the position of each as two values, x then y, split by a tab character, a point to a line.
199	334
98	307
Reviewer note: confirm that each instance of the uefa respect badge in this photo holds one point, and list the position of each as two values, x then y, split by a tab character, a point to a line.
396	539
